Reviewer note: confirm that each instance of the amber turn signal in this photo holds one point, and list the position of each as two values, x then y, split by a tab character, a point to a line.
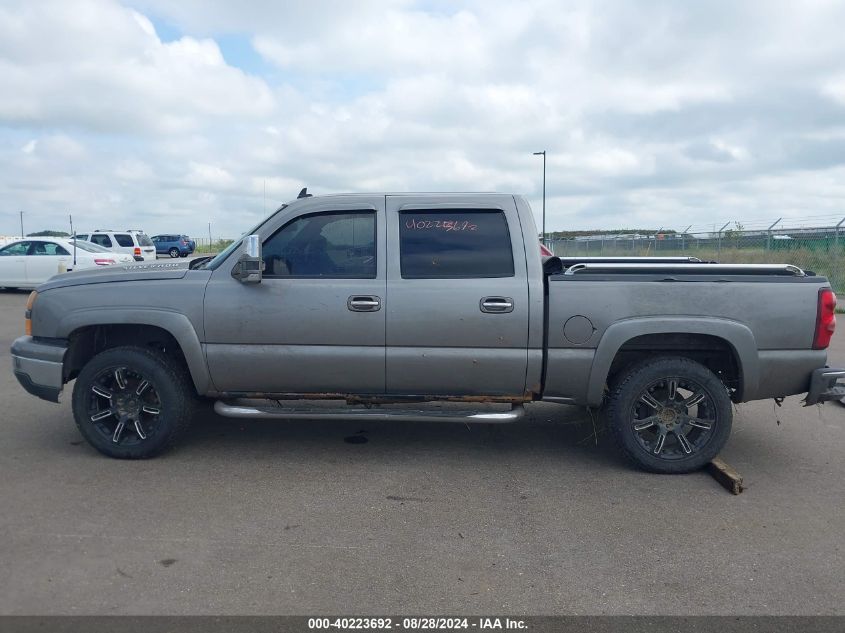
28	316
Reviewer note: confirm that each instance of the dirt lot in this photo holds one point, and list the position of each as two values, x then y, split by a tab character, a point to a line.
532	518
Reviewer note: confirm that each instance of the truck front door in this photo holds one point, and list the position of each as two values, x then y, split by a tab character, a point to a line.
457	296
315	323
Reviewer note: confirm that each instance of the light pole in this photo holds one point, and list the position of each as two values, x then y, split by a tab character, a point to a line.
22	235
544	193
209	237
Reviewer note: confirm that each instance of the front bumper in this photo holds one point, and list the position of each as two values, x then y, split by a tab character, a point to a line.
824	386
39	367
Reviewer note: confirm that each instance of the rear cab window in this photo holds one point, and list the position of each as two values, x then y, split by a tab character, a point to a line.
454	244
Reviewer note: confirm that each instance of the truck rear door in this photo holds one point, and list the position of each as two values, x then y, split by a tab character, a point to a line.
457	296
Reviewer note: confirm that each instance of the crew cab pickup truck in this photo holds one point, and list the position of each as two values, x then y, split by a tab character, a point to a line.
389	303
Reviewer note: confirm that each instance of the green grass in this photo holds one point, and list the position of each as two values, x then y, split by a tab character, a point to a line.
213	248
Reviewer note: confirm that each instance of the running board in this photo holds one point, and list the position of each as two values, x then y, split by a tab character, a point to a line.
229	410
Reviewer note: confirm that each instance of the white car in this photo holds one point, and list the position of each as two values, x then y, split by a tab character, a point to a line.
132	242
31	261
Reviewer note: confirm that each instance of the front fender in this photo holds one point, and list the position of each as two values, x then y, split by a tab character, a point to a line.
176	323
737	335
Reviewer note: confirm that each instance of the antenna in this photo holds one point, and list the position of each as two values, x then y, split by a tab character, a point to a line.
303	194
73	237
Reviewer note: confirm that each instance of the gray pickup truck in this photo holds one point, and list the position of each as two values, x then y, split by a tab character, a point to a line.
391	304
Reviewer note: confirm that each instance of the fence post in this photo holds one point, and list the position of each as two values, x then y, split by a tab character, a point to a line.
769	234
719	243
836	234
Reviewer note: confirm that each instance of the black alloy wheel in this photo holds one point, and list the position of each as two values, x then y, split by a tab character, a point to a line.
669	414
133	402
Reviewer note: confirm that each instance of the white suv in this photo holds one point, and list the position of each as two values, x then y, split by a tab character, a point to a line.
132	242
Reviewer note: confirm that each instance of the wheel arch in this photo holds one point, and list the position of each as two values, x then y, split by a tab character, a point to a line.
708	337
92	331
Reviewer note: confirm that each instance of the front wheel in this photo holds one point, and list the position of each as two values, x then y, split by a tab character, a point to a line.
132	402
669	415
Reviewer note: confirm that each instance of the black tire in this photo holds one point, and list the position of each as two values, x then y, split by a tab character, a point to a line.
174	252
658	397
152	416
183	254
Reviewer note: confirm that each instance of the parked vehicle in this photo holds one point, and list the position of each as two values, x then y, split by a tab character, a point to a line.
132	242
409	299
30	262
173	245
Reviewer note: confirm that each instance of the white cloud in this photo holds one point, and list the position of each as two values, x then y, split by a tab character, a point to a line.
106	70
835	88
652	112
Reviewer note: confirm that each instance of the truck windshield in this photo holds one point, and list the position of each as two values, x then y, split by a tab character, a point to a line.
221	257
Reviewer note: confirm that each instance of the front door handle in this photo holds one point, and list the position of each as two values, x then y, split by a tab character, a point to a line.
364	303
496	305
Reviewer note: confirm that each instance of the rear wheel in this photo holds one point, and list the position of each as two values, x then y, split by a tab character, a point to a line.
132	402
669	415
174	252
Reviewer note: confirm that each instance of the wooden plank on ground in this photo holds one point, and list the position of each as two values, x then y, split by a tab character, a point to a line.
726	476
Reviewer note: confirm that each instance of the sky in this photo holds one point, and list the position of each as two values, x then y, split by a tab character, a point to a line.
169	116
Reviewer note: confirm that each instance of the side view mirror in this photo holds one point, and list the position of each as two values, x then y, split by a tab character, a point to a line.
249	266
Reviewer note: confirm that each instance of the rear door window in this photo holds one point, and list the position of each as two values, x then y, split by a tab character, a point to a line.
454	244
124	240
101	239
47	248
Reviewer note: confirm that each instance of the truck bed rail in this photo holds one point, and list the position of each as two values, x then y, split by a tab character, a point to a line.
571	261
555	265
691	268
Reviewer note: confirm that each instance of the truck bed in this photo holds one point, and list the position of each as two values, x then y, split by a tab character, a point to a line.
598	309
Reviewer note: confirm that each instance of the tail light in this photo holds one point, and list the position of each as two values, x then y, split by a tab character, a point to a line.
181	242
104	262
27	323
138	250
825	319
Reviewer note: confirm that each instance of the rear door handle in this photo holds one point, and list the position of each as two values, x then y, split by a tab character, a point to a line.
364	303
496	305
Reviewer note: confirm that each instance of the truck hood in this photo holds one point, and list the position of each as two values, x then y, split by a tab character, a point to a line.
110	274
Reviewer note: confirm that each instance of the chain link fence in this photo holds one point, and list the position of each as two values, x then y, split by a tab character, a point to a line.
821	249
206	246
